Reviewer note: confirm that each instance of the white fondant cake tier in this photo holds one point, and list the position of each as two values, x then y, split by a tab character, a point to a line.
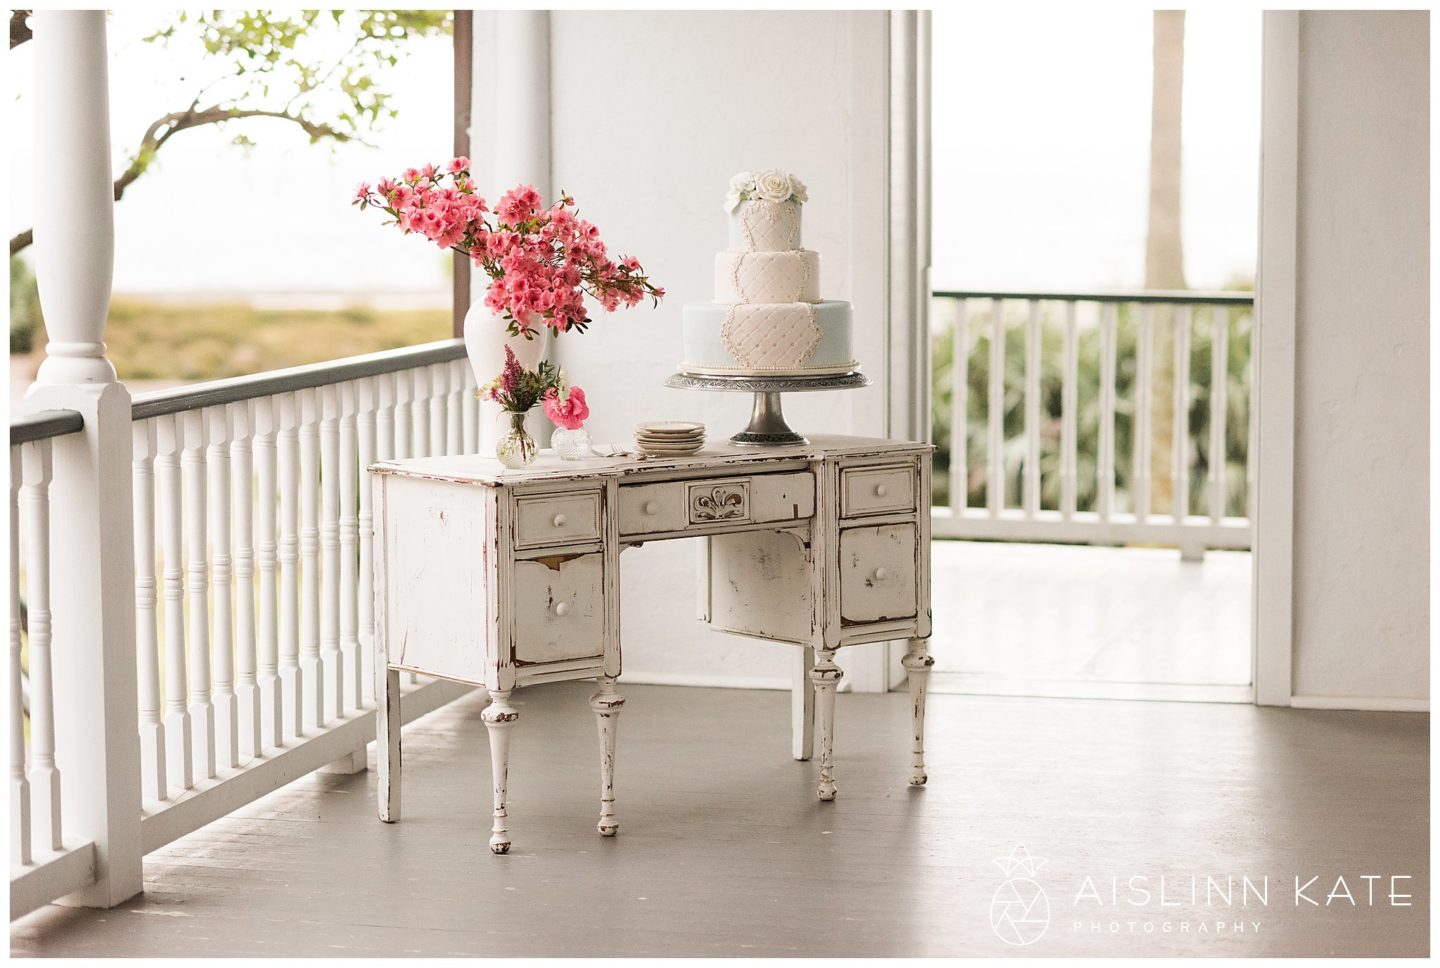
758	226
767	277
767	339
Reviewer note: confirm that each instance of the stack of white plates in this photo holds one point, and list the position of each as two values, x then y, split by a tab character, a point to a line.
670	438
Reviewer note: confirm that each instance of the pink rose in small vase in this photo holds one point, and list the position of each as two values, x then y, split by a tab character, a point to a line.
566	410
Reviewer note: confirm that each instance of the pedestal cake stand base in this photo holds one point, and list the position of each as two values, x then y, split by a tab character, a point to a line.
767	426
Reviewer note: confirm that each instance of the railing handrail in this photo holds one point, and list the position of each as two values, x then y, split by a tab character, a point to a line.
1196	296
44	424
217	392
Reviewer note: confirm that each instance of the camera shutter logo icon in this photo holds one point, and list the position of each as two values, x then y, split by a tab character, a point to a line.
1020	909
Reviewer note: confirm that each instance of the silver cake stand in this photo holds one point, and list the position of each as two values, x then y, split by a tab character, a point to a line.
767	426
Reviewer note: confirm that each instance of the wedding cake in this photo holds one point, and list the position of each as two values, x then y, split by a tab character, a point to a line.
767	318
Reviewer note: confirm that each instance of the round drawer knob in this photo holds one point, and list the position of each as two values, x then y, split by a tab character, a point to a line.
559	521
651	507
880	574
562	609
881	490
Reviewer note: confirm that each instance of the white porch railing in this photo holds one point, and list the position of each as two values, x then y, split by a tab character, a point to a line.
43	860
252	582
1039	484
255	660
196	561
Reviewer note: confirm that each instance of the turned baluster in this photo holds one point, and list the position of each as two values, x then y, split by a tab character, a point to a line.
292	684
365	592
147	640
20	827
197	590
242	489
267	660
439	397
227	736
333	685
179	744
352	677
312	668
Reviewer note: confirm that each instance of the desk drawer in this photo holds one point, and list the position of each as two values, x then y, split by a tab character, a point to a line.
680	505
877	574
652	508
877	490
556	519
559	609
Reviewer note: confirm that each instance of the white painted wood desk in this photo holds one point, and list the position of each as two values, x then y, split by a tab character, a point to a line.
505	578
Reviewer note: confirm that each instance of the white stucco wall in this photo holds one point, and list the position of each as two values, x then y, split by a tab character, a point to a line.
1361	572
652	113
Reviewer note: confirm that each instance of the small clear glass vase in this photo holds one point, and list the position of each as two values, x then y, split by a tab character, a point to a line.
516	448
571	444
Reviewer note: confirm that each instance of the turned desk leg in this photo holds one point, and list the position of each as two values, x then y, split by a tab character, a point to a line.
606	705
917	663
826	676
387	740
499	716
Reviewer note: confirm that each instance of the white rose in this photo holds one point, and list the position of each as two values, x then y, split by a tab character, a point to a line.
798	187
773	185
741	183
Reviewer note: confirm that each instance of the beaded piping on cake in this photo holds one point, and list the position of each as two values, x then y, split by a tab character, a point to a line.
789	270
771	336
769	226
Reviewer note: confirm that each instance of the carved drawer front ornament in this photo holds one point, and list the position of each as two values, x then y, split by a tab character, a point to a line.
719	502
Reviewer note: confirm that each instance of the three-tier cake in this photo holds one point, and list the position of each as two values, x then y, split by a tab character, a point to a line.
768	319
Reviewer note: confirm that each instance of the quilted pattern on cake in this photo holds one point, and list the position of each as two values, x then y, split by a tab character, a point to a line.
771	336
770	277
769	227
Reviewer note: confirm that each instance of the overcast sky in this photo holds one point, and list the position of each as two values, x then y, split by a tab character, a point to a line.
1041	140
1042	146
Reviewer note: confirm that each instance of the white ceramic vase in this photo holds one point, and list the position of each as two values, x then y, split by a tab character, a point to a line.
486	339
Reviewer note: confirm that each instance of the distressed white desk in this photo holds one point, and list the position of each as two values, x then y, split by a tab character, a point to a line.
505	578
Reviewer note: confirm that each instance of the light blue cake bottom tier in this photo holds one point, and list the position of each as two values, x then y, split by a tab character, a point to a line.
706	353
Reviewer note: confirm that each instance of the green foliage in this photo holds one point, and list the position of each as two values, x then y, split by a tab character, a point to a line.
1052	361
25	318
324	65
323	72
320	70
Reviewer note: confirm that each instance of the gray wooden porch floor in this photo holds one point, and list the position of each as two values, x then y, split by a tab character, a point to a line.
723	849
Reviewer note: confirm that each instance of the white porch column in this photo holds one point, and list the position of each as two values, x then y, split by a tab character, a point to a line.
522	99
93	596
519	89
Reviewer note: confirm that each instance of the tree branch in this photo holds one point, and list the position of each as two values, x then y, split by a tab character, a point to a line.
19	28
163	129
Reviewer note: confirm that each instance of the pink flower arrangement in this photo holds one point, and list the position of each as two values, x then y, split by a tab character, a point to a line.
566	407
542	261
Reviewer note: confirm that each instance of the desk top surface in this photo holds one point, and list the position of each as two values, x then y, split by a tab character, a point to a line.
718	455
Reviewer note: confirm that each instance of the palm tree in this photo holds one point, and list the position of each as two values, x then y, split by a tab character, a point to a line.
1164	252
